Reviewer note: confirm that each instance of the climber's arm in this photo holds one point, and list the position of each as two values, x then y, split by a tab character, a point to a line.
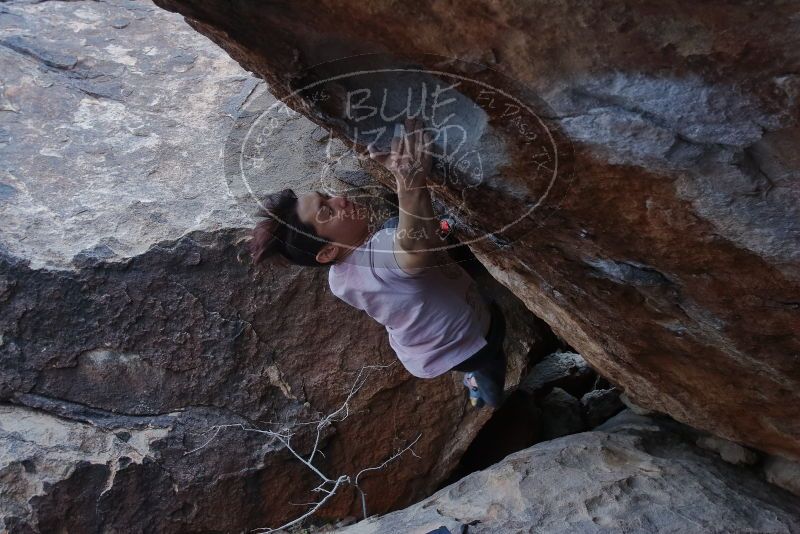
416	239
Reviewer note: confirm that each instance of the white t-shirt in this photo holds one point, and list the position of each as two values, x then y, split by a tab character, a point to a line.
435	319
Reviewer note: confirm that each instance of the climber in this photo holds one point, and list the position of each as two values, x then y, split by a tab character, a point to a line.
436	319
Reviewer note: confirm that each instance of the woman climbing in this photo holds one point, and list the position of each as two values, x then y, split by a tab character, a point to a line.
436	319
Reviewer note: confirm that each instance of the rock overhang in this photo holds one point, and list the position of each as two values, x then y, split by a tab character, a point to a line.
669	256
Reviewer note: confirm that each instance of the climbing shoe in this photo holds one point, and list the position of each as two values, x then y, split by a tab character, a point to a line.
474	392
485	387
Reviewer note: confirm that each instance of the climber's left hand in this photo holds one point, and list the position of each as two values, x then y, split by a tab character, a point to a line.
409	159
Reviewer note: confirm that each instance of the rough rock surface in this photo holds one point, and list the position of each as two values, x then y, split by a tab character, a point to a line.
783	473
128	328
600	404
565	370
729	451
666	249
635	408
98	111
634	474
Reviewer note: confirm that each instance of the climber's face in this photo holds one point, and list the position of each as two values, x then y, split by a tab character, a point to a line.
343	222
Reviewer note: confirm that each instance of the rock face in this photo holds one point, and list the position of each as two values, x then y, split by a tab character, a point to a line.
561	415
783	473
600	404
129	329
728	451
565	370
657	177
634	474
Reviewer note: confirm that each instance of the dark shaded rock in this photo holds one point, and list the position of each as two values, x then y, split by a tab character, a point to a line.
783	473
566	370
635	475
561	415
667	251
50	55
728	450
516	425
599	405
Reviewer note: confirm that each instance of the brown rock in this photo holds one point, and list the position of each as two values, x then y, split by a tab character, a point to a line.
666	249
632	406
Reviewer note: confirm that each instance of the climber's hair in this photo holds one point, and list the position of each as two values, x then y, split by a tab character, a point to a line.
282	233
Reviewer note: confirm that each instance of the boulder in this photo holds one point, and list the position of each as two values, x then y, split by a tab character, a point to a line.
600	404
561	414
566	370
637	474
628	170
729	451
632	406
783	473
136	341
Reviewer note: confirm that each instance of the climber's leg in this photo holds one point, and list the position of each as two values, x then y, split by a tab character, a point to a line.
488	380
486	370
474	391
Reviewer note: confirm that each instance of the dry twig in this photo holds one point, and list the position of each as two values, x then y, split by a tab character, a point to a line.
329	486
